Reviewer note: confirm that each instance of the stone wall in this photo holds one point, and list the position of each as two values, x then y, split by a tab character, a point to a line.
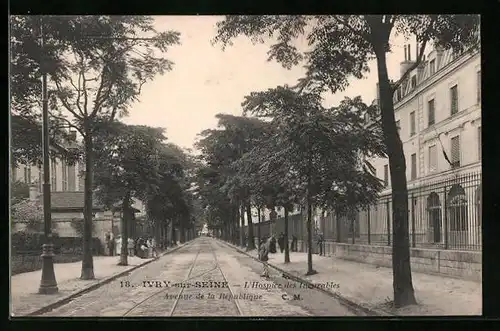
452	263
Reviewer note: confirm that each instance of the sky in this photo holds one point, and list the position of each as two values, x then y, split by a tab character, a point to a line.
206	80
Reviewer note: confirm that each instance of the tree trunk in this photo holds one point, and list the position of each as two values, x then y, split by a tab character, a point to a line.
401	270
236	225
173	240
242	225
125	228
182	234
258	226
310	270
287	250
87	260
250	241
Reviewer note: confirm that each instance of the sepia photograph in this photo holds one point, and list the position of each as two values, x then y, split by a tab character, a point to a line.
245	166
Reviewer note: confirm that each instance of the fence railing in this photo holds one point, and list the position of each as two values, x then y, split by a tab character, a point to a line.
444	214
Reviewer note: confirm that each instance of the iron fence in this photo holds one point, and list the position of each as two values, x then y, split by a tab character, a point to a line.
442	214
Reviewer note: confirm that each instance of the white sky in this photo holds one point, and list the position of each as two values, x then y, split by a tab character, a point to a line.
206	80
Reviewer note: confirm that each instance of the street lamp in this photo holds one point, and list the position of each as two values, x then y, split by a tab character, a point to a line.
48	284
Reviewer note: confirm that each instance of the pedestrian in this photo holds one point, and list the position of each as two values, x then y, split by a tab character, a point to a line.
320	243
111	245
118	246
149	244
264	257
130	246
294	243
272	245
153	247
281	241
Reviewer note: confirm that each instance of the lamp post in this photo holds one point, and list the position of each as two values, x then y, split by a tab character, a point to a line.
48	284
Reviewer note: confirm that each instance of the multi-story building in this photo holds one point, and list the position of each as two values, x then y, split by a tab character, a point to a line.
438	113
64	175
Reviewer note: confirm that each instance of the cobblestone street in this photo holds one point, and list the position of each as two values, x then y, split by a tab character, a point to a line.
204	278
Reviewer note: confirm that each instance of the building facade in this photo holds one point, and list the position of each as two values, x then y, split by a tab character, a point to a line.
64	175
438	113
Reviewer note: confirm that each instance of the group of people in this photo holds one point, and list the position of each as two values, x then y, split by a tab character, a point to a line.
141	247
268	245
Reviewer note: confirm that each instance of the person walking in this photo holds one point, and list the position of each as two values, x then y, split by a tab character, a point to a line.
320	243
111	245
294	243
264	256
118	245
281	242
130	246
272	245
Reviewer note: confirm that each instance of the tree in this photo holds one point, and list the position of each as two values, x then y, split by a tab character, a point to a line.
98	65
18	191
124	168
341	47
316	153
223	147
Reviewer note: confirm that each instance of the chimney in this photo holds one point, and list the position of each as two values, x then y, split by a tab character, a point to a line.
407	63
72	135
33	193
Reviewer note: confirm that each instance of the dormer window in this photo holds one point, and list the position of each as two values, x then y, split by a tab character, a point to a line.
432	67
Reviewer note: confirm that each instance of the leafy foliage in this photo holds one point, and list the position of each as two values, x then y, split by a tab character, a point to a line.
30	212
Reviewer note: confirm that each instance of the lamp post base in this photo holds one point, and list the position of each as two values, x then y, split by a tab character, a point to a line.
48	284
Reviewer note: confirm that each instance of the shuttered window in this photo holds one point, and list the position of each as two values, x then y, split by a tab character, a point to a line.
432	158
412	123
413	166
454	99
455	152
431	112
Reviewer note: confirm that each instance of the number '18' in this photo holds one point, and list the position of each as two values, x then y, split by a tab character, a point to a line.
124	283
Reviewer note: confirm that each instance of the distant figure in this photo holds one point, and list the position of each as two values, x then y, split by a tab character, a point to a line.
111	245
294	243
281	241
130	246
272	245
118	246
320	243
149	244
264	256
153	247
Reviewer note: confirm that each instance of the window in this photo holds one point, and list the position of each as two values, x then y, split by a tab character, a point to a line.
431	112
386	175
432	158
398	125
479	143
53	174
412	123
413	174
27	175
64	169
455	152
432	67
454	99
478	77
413	81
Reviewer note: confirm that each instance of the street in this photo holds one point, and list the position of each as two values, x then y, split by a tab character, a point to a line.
203	278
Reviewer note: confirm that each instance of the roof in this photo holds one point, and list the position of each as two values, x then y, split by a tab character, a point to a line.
68	200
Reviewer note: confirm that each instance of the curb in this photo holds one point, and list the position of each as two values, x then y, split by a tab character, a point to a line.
353	306
68	298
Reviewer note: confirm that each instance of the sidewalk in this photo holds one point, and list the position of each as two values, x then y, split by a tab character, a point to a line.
371	286
24	287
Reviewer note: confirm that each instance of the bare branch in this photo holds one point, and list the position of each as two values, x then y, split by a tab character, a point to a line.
68	122
85	94
65	102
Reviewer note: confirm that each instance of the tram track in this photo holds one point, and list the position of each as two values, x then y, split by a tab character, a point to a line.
190	300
